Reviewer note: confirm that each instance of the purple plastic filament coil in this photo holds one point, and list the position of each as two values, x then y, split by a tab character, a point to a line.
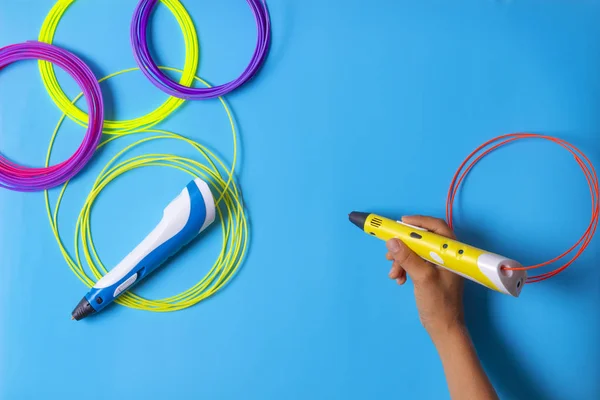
139	42
24	179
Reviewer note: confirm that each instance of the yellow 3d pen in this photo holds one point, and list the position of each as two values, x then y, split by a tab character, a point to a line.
470	262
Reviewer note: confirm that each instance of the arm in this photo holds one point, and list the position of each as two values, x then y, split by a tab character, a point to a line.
465	376
438	294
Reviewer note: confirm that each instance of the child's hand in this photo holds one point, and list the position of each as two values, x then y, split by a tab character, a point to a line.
438	292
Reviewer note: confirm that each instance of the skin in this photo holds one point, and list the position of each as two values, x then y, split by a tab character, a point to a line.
438	295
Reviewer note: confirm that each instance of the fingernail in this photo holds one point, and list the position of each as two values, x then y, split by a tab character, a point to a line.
400	281
392	245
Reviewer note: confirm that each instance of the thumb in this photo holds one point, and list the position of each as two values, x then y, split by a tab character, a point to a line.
417	268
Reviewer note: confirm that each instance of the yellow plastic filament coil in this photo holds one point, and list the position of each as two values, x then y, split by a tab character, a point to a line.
230	211
127	126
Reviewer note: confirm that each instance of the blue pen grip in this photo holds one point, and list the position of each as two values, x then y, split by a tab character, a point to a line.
182	220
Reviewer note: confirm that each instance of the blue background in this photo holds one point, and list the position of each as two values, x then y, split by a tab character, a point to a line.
360	106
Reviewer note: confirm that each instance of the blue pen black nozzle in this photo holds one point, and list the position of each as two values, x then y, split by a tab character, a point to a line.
83	309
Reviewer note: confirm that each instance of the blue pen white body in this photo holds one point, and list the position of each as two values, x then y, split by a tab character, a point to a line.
183	219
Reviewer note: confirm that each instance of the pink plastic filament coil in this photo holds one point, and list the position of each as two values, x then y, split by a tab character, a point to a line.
24	179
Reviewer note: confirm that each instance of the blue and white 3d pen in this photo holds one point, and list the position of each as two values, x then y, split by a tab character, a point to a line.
183	219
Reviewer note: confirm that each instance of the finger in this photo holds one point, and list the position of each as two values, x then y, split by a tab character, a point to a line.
397	271
389	256
417	268
401	280
435	225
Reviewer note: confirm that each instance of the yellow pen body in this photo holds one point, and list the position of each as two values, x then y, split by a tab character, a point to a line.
472	263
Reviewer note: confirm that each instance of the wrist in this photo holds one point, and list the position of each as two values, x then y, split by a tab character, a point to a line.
448	334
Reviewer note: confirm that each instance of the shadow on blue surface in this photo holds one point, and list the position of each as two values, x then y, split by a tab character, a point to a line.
510	378
501	361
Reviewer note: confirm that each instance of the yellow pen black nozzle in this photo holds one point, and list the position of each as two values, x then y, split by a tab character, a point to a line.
485	268
358	218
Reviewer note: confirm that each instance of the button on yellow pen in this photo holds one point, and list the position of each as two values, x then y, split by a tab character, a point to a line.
483	267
